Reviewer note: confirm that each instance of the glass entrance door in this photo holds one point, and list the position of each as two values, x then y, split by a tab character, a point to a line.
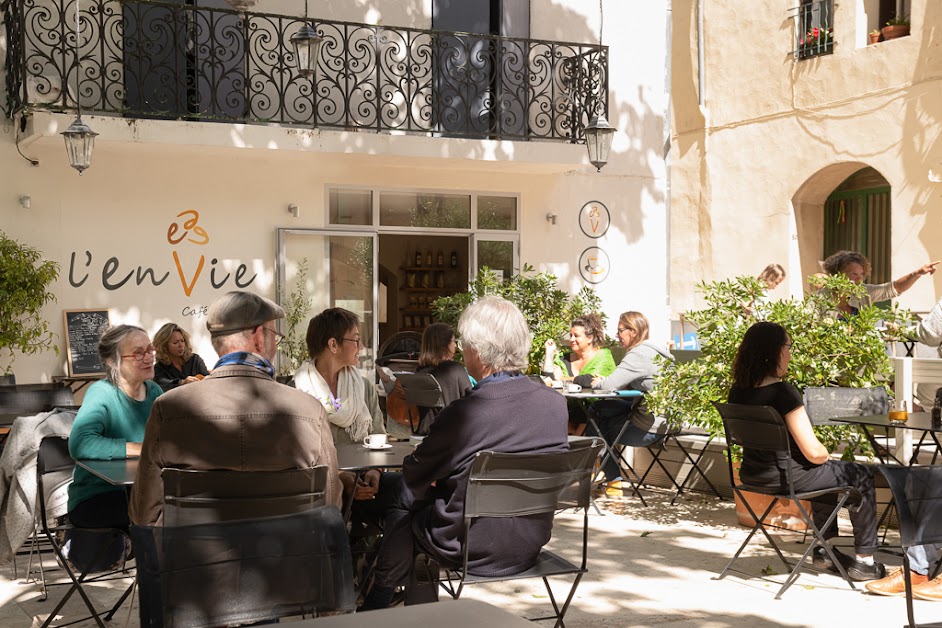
319	269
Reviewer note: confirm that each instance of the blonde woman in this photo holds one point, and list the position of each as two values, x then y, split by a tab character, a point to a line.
176	363
772	275
636	371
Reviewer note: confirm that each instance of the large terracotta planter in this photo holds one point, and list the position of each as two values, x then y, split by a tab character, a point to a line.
893	32
784	514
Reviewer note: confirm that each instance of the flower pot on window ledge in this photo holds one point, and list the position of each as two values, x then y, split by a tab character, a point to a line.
894	32
875	37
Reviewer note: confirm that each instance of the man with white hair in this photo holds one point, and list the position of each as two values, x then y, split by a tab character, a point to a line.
238	418
505	412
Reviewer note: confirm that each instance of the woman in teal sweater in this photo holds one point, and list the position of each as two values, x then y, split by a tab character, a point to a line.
110	425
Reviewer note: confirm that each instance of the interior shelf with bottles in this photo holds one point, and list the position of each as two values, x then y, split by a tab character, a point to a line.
431	276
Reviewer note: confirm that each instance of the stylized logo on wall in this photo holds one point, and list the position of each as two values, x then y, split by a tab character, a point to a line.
594	219
594	265
186	228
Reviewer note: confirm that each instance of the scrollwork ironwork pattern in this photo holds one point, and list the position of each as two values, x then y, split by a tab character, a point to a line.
160	60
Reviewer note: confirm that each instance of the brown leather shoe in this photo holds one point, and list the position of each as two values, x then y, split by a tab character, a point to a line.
894	584
931	590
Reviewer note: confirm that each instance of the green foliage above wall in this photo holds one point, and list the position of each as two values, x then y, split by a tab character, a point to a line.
548	309
825	351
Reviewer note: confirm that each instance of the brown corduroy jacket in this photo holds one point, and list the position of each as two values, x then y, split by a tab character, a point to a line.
238	418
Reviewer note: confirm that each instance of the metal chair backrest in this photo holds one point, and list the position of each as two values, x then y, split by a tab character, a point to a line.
918	494
53	456
830	402
759	428
422	389
193	497
519	484
30	399
243	571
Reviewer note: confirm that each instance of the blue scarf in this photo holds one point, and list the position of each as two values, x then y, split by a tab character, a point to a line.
499	376
246	358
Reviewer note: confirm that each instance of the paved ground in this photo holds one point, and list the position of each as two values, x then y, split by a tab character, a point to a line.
648	567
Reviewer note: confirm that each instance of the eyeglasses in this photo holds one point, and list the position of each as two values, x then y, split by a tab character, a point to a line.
624	329
788	345
356	340
278	337
139	355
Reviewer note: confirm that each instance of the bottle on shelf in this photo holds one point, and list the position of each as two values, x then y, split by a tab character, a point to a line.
441	258
454	259
428	257
418	258
440	279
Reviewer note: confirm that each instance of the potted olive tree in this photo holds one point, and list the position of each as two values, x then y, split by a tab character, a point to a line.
25	278
297	305
826	351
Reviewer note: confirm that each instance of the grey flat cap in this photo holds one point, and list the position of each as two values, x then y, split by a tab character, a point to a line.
236	310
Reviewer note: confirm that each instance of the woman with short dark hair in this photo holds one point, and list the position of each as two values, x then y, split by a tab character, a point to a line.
760	365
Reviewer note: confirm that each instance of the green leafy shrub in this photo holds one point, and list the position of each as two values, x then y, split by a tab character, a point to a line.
825	351
24	283
548	309
297	306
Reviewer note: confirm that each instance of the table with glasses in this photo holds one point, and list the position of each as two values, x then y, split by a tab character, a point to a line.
916	421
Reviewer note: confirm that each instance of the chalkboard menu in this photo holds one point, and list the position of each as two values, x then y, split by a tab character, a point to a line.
83	328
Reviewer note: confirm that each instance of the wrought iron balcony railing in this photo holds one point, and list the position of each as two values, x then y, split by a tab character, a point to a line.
151	59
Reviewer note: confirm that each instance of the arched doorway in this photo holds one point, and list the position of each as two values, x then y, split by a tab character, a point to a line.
844	206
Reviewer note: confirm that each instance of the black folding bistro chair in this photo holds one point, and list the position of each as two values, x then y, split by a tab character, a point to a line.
918	495
761	428
658	449
614	450
91	550
193	497
243	571
517	485
423	391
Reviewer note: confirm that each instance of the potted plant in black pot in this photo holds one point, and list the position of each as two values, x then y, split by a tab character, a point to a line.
25	278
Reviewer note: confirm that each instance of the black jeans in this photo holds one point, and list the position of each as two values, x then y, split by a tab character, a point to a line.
835	473
105	510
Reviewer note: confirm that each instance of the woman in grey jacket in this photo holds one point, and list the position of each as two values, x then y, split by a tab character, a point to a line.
636	371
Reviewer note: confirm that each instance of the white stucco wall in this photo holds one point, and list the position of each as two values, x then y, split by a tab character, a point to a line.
240	179
772	128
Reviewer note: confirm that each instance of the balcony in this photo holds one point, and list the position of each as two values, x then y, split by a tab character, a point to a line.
157	60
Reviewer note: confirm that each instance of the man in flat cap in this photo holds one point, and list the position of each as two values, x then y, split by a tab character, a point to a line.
238	418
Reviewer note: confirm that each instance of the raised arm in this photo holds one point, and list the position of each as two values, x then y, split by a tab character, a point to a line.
906	282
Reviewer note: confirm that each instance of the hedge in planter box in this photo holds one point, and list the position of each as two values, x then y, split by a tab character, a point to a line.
826	351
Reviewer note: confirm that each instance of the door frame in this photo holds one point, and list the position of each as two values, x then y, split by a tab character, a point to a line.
281	235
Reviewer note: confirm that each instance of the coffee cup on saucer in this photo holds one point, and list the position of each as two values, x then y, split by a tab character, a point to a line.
375	441
573	388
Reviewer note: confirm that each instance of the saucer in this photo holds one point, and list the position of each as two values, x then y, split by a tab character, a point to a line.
386	446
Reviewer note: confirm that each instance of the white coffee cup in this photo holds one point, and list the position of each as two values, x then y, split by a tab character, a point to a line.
574	388
375	441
